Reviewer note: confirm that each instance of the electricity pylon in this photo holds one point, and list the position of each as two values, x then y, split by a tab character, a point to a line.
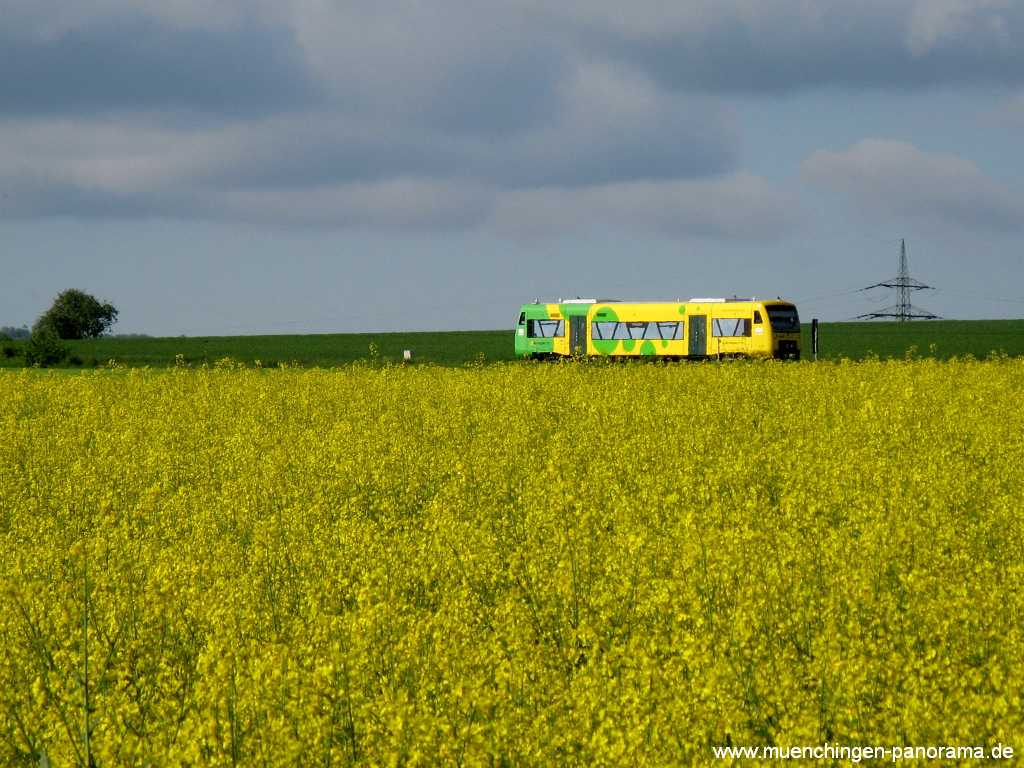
903	310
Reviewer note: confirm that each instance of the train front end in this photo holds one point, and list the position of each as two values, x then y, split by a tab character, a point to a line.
785	324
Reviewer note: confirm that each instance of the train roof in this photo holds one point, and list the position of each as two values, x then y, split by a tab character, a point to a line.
694	300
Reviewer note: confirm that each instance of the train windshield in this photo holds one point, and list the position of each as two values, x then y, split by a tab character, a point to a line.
784	319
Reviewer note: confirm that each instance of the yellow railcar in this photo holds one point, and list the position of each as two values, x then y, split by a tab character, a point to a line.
698	328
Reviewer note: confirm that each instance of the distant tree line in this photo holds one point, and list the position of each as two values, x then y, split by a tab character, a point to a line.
10	333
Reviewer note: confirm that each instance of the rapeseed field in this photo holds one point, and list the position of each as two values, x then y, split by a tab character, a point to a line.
513	564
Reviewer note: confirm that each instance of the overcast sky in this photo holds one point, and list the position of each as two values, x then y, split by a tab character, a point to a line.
252	166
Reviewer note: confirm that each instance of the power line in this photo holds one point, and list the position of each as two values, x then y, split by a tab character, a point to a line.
980	297
836	295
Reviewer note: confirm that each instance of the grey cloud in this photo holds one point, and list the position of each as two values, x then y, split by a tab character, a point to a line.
1010	112
66	198
605	126
680	148
135	171
785	46
330	150
470	69
895	178
496	94
353	110
738	207
136	63
735	207
393	204
327	149
615	125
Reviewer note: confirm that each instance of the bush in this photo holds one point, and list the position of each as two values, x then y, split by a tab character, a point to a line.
10	349
44	348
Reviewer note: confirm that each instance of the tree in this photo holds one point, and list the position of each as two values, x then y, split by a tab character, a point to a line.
44	348
77	315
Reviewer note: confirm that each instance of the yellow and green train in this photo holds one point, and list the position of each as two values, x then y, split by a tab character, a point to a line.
698	328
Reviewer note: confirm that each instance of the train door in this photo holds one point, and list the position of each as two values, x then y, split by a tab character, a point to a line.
698	335
578	334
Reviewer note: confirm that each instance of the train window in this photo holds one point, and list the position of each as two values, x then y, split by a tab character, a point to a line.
522	318
784	318
670	330
757	317
545	329
730	326
665	330
610	330
636	330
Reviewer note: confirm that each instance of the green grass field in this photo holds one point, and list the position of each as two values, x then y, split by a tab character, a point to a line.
937	338
941	338
323	350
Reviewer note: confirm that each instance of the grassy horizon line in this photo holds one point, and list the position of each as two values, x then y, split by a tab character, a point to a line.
940	339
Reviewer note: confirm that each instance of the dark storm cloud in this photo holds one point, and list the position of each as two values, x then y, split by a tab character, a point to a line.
845	46
138	63
409	114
